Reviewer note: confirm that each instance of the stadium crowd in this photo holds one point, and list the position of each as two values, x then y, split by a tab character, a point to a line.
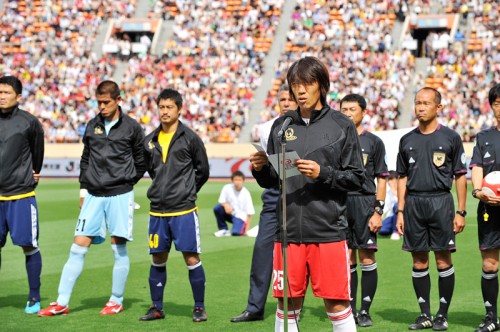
214	59
354	39
48	45
464	71
216	54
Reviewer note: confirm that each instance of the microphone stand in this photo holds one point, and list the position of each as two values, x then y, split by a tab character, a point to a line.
284	243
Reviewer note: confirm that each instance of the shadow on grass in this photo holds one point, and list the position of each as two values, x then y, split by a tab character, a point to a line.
14	301
99	302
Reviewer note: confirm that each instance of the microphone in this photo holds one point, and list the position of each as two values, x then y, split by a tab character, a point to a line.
290	118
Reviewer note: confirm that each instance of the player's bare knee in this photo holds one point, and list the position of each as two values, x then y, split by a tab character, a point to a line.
490	265
159	258
83	241
420	260
191	258
118	240
367	257
443	259
30	250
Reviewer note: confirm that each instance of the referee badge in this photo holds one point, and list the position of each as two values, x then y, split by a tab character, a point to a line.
365	159
438	158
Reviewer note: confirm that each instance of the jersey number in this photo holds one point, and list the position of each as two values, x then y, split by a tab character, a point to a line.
153	241
81	222
278	280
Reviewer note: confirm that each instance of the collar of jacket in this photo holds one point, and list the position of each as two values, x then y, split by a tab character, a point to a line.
317	114
180	130
15	109
101	118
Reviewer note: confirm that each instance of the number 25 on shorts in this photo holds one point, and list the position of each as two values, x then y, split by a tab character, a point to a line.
278	280
153	241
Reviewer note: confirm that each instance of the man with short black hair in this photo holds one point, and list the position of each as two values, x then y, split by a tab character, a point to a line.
365	209
112	163
429	158
235	206
484	161
22	149
178	164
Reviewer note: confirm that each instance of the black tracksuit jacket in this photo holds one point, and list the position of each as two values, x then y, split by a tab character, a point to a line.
112	164
177	181
21	152
316	208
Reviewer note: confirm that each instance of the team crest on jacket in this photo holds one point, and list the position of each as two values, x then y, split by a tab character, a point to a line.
289	135
151	146
365	159
438	158
98	130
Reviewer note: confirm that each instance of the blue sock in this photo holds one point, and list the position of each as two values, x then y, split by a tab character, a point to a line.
70	273
197	280
120	272
34	269
157	282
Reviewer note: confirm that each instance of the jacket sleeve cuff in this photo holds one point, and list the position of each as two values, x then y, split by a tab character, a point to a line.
325	174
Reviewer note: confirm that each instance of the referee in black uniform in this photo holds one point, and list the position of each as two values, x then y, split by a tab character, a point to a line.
484	161
365	209
428	159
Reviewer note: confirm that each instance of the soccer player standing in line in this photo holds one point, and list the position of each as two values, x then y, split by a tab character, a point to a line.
178	164
429	157
112	163
21	159
262	258
365	209
331	166
484	161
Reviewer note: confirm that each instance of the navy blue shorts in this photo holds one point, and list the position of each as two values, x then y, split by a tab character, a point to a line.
20	218
183	230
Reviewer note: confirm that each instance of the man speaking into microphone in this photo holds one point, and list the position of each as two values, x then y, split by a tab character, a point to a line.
330	166
262	258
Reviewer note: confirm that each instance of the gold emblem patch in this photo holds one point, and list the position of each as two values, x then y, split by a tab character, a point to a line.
438	158
98	130
365	159
289	135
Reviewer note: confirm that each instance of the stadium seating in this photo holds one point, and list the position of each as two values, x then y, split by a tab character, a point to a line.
48	45
355	43
465	71
216	54
214	59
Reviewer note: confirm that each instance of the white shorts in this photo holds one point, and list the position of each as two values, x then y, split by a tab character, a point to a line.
115	213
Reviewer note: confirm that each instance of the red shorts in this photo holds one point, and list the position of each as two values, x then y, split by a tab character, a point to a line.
327	264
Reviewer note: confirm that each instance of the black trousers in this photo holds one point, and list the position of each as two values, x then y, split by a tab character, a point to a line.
262	259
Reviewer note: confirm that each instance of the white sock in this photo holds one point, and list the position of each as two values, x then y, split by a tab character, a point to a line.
342	321
293	317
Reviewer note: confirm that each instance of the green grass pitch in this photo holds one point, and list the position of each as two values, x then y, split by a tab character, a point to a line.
227	265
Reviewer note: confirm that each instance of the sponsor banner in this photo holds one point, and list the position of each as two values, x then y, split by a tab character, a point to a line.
219	167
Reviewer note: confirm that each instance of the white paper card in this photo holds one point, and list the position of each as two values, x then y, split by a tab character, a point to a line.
290	157
258	147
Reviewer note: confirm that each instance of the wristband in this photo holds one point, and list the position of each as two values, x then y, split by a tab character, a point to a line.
400	211
474	192
83	193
